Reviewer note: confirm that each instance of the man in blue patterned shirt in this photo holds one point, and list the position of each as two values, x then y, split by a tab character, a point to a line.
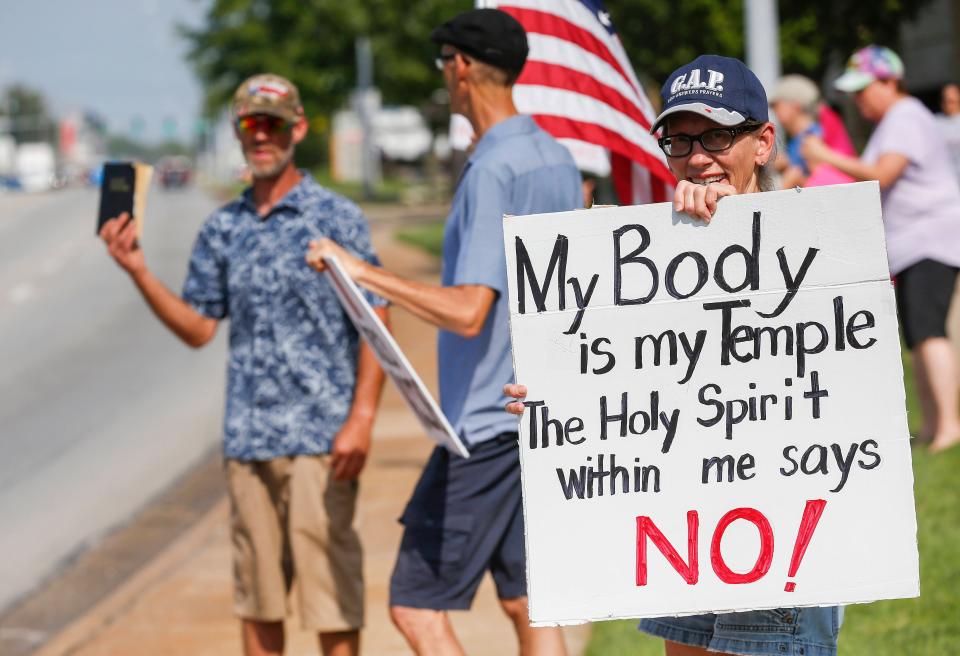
465	517
301	388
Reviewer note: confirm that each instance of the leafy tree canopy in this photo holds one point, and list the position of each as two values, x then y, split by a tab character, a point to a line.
123	147
660	36
19	99
311	42
28	114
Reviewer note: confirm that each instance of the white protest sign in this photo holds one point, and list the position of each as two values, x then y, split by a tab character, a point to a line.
722	427
392	359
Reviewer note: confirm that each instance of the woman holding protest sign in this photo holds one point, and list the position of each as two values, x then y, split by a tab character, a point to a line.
906	154
719	142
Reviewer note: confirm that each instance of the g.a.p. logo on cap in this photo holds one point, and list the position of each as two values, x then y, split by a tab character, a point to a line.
693	82
722	88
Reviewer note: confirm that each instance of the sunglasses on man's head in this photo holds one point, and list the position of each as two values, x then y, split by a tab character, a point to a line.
262	123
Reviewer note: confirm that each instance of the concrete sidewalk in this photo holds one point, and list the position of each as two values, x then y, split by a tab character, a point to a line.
180	602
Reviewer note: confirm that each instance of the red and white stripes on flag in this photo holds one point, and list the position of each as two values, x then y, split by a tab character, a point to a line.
578	85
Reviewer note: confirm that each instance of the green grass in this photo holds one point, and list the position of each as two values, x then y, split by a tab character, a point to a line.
390	190
927	626
622	638
428	236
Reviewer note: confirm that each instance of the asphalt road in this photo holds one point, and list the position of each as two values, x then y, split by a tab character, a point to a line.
101	407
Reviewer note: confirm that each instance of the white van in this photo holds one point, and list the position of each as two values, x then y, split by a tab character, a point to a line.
36	166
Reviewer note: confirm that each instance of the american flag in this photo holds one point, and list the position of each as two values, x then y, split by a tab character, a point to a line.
578	85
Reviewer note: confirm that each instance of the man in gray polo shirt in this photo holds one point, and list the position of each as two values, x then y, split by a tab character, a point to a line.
465	516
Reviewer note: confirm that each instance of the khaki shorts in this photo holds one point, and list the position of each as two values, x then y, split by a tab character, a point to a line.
289	518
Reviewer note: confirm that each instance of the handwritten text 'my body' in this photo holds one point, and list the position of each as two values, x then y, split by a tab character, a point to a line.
634	266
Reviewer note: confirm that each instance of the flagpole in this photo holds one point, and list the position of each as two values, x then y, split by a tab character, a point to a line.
763	40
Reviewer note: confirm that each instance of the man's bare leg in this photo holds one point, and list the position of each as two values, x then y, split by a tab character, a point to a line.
262	638
543	641
340	643
428	632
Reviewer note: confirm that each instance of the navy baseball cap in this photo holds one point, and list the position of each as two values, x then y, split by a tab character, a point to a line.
722	89
490	35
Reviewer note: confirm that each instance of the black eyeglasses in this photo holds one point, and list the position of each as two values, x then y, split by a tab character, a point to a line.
442	60
713	140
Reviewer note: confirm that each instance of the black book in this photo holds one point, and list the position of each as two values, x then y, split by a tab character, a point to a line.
124	189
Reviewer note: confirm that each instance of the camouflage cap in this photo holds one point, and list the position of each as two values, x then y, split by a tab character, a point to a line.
268	94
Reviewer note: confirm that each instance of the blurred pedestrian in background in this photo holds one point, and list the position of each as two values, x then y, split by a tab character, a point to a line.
950	122
921	214
301	389
799	110
465	517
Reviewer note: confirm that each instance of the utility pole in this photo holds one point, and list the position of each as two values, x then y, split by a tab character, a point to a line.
364	54
763	40
13	111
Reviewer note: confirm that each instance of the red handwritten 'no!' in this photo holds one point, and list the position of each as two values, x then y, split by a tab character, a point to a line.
689	570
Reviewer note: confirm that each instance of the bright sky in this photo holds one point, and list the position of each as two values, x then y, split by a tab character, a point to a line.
119	58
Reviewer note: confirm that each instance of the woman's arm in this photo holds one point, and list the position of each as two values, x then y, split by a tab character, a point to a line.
887	169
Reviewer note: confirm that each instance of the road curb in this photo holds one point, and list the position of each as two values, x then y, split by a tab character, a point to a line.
121	600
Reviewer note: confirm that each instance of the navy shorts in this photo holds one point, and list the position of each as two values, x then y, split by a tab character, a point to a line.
465	517
779	632
923	293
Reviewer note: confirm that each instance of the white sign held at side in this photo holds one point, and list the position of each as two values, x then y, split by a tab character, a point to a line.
392	359
715	418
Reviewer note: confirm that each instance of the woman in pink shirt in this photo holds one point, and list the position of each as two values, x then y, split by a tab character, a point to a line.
921	214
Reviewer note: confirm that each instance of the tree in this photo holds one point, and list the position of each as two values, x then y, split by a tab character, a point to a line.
815	34
26	109
123	147
660	36
312	44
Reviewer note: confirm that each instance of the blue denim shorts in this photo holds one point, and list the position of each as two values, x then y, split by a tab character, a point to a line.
778	632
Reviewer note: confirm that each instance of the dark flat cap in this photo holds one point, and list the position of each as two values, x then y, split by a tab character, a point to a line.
489	35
